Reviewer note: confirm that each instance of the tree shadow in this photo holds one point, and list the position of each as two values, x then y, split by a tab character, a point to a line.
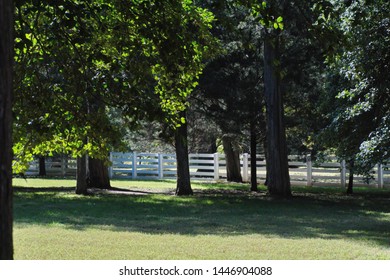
340	217
44	189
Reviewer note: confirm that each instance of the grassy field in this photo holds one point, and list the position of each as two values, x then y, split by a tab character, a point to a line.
144	220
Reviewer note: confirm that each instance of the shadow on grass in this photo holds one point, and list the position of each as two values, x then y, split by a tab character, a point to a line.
357	218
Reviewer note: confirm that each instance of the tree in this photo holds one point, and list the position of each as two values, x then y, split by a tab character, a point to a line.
6	61
366	91
286	25
270	15
278	179
228	90
176	37
183	185
133	55
58	82
357	94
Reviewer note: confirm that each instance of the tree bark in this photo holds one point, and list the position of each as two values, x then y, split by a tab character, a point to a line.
98	174
266	160
232	155
253	133
42	166
82	166
183	186
350	179
6	60
278	179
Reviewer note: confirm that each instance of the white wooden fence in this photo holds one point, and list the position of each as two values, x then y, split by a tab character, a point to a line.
213	167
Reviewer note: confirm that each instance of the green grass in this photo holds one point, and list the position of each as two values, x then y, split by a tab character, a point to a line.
221	221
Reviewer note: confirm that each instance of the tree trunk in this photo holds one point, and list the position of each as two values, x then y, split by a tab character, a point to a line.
42	166
350	179
266	160
98	174
253	133
278	179
6	59
232	155
183	186
82	185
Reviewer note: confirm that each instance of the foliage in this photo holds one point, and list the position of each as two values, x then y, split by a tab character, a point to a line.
361	90
230	88
363	66
268	14
77	59
56	77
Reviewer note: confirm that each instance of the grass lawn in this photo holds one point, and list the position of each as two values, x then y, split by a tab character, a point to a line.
220	221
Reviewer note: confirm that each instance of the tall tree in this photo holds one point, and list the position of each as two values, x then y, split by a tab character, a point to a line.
184	43
229	85
58	66
278	179
286	26
357	95
270	15
365	92
6	61
135	55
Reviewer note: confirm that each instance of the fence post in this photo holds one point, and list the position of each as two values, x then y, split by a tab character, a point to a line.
110	168
134	170
216	166
245	167
160	166
380	176
343	173
309	170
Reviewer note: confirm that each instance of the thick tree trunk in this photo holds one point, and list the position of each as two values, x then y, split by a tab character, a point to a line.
98	174
82	184
183	186
232	155
42	166
6	58
253	133
278	179
350	179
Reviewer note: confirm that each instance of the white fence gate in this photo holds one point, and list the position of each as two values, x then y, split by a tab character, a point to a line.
212	167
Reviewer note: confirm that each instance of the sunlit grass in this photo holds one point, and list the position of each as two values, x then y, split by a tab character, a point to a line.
54	223
57	242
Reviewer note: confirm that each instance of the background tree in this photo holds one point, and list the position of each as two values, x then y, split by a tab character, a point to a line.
227	93
367	27
6	61
358	91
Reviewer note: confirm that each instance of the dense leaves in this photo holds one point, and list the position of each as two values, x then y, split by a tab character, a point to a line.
76	59
360	85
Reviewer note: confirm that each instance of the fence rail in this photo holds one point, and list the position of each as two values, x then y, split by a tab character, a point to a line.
303	171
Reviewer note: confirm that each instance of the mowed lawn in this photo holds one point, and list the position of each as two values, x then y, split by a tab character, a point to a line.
144	220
